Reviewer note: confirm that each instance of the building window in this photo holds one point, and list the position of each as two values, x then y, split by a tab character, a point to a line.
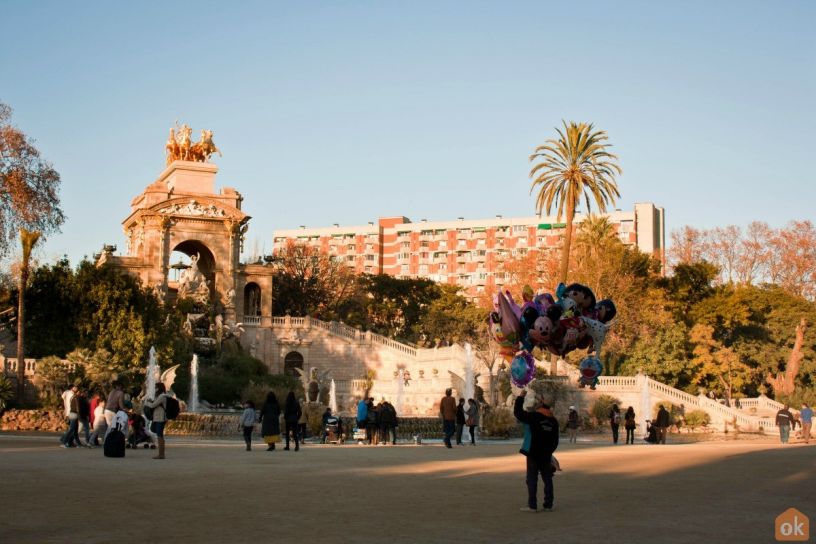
369	257
424	244
519	228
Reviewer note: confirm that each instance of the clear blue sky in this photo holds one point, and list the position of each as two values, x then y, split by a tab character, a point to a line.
342	112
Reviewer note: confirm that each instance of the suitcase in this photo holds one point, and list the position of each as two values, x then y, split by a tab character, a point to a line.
114	444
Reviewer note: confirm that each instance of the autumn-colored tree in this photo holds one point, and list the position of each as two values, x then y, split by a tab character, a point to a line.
716	365
29	186
784	383
309	281
577	164
688	245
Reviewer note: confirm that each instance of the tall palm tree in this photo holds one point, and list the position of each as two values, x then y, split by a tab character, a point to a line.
27	239
574	165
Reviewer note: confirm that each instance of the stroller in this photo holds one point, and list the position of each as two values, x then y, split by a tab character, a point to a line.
651	433
333	431
138	433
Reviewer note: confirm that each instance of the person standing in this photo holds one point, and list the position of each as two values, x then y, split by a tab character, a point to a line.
158	420
662	424
460	421
388	421
247	423
302	422
472	420
372	428
614	422
362	414
270	421
785	421
806	420
543	433
572	425
115	403
447	411
291	415
629	425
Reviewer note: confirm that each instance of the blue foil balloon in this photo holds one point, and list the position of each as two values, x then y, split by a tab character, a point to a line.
522	369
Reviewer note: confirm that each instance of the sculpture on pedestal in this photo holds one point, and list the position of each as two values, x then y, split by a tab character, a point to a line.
179	146
192	283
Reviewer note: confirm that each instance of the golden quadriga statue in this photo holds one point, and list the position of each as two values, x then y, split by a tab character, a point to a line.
179	145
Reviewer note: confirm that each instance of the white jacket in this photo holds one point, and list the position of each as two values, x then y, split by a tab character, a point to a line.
66	401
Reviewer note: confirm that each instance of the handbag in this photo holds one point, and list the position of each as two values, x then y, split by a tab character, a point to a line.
469	422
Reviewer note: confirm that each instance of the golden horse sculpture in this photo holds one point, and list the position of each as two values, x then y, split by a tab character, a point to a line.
179	146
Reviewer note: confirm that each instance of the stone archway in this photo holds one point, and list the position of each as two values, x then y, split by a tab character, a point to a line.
205	263
252	300
292	361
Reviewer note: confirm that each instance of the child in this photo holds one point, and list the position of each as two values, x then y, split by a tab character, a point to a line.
541	428
248	423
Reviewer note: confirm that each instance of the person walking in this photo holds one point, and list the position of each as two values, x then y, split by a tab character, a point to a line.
662	424
614	422
447	411
83	417
247	423
472	419
543	441
572	425
629	424
291	415
158	419
270	420
67	439
806	420
785	421
100	425
460	421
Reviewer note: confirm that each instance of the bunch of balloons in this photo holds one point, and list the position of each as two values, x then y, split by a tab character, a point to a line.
570	320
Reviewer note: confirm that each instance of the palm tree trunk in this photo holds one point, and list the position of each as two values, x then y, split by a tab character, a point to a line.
20	334
27	241
565	251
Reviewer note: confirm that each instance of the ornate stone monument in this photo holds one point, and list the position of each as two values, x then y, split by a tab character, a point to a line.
181	211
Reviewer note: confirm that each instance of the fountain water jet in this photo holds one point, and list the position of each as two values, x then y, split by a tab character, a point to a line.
399	397
152	375
192	405
333	398
469	391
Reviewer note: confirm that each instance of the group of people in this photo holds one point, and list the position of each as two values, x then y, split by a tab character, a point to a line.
269	417
379	421
786	422
96	416
456	416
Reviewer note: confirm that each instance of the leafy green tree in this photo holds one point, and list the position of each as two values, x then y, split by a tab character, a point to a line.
717	366
576	164
689	284
663	356
451	316
52	311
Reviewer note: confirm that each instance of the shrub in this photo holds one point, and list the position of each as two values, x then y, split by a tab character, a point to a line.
6	392
225	381
601	408
280	384
499	422
314	417
697	418
52	377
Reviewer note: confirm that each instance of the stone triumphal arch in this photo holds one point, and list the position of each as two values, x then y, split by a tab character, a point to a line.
182	212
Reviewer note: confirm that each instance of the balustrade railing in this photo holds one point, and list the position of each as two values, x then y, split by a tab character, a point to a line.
252	320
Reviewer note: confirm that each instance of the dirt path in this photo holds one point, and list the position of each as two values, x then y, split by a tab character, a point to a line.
216	492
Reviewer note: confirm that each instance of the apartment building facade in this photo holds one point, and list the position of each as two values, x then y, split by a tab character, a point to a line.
464	252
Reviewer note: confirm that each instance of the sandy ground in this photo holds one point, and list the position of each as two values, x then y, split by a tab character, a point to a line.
209	491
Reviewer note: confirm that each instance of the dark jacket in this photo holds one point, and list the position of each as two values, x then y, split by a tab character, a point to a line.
785	417
662	418
388	415
292	412
84	407
373	415
460	414
270	419
543	429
